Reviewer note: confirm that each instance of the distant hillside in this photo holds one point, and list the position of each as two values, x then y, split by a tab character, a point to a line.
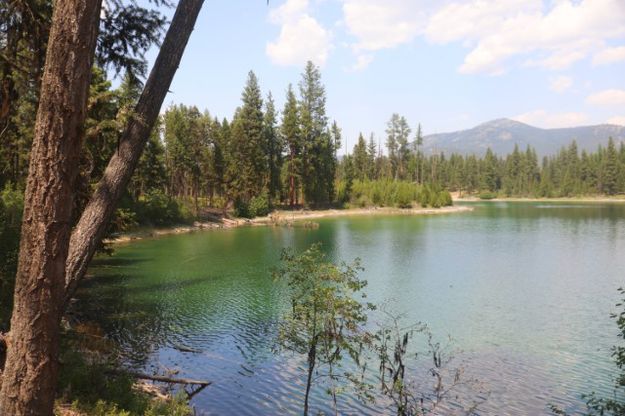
502	134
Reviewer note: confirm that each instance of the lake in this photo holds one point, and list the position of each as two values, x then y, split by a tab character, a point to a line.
524	290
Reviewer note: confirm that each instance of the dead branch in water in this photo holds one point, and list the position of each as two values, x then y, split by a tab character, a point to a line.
162	379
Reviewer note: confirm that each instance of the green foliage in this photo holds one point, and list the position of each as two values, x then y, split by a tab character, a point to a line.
241	209
405	195
259	206
11	207
487	195
385	193
156	208
391	193
318	158
88	382
326	321
249	169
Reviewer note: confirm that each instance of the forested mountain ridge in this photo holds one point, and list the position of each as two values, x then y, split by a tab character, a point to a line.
502	134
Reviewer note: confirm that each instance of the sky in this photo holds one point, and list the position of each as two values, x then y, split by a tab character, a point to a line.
447	64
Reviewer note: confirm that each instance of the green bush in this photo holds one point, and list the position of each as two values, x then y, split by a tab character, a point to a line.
391	193
487	195
259	206
123	220
432	195
446	200
404	197
156	208
362	201
241	208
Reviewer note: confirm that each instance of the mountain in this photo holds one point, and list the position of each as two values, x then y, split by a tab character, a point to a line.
502	134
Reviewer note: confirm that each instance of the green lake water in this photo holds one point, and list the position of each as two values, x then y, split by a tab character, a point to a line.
525	291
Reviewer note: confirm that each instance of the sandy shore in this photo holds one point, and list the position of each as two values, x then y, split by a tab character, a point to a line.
598	199
281	218
328	213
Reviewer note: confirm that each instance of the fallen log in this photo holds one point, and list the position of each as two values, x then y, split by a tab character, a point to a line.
184	348
162	379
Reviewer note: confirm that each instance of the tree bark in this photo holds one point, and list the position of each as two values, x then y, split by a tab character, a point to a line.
30	373
101	207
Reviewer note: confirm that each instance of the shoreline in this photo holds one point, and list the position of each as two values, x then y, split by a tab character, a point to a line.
585	199
279	218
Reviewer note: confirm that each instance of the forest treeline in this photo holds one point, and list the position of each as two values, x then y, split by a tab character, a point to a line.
260	158
568	173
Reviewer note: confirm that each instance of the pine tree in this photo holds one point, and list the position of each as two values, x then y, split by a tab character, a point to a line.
361	159
371	158
610	169
274	149
291	134
418	143
490	180
318	153
392	145
248	165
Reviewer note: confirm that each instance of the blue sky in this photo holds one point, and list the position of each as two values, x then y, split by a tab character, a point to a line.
448	65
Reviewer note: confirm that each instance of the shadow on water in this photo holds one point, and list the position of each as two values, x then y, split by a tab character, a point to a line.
117	261
115	286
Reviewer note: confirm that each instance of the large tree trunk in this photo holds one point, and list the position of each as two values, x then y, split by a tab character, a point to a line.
31	367
100	209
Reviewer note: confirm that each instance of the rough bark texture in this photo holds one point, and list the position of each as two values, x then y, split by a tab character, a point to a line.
31	367
100	209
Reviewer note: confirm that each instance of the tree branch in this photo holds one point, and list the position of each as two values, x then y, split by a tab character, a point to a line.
162	379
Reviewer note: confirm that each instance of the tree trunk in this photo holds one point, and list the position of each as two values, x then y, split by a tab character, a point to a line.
312	359
101	207
291	183
31	367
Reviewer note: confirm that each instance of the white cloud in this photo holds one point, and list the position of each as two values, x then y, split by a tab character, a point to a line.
301	38
362	62
620	120
474	20
498	31
609	55
383	24
561	84
607	97
545	119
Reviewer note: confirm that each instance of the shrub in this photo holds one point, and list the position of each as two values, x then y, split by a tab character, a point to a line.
487	195
241	208
259	206
425	196
404	197
156	208
124	220
445	199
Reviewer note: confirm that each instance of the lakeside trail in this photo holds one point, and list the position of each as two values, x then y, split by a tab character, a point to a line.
280	218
